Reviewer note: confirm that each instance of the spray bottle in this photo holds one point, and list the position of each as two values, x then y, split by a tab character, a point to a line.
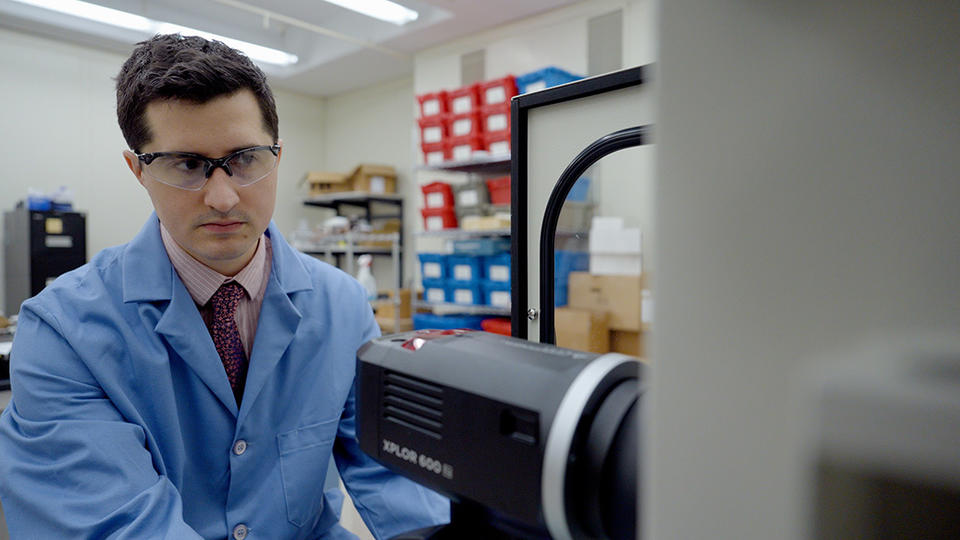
365	276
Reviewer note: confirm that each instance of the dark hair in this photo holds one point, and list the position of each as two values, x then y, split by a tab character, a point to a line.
189	68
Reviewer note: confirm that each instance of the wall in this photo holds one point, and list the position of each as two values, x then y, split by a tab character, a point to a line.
374	125
806	203
57	112
378	123
558	38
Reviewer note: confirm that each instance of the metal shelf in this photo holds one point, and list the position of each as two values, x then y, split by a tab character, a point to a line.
456	234
346	197
340	250
488	164
339	245
450	309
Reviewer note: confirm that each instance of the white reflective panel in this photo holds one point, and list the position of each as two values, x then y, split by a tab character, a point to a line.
557	133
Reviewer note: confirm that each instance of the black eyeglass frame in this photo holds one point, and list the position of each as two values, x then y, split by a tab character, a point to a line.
209	164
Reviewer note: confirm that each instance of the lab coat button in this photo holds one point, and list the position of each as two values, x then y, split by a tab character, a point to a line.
240	447
240	532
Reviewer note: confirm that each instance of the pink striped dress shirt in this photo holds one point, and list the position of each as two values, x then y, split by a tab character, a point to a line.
202	281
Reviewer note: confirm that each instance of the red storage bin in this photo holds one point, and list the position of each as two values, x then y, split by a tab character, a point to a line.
435	219
496	325
464	124
432	130
463	100
497	91
499	189
434	153
498	144
433	104
462	148
496	118
437	195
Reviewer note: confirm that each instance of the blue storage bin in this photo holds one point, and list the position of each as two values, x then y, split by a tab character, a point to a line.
497	268
433	265
434	291
580	191
39	203
544	78
429	321
464	269
496	293
467	294
565	262
481	246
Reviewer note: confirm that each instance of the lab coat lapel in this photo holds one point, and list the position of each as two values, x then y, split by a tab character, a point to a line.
148	276
279	317
183	328
278	323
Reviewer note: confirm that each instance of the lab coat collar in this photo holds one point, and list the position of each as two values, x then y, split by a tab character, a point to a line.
149	276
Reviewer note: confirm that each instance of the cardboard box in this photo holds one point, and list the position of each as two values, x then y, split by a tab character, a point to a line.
615	264
322	182
385	307
485	223
582	329
371	178
628	342
387	325
620	296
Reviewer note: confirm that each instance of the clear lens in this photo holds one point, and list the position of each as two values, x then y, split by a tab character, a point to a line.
251	165
185	172
188	171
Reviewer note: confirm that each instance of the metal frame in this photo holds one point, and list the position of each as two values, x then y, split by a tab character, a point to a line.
520	108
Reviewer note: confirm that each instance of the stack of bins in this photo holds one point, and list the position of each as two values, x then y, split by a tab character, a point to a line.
439	211
499	190
457	124
433	128
465	283
463	123
433	275
471	199
495	98
482	266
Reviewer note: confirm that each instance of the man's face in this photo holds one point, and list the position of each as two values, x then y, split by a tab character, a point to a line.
219	225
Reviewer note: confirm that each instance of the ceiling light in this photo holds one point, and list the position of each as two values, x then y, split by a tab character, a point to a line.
385	10
130	21
255	52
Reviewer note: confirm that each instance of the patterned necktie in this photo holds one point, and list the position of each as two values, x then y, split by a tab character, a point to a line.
226	336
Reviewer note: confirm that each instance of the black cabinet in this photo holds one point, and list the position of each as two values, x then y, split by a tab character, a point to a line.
38	247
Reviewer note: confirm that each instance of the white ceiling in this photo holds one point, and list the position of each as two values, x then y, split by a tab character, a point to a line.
361	51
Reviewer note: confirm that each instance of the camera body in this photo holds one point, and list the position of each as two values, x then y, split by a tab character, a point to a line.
536	439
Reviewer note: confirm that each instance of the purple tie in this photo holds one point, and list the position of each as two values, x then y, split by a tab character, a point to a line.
226	336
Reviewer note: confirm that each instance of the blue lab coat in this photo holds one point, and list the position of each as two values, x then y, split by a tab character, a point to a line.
123	423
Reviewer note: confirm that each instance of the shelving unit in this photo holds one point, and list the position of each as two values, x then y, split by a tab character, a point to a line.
351	244
347	245
480	166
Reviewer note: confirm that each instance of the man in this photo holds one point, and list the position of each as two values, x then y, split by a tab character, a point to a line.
136	412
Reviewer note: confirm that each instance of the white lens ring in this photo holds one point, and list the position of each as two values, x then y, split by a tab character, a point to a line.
560	440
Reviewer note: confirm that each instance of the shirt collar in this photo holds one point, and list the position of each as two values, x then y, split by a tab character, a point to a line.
202	281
